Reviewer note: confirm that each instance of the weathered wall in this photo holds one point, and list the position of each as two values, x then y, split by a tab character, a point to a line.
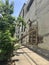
43	16
31	13
43	22
39	10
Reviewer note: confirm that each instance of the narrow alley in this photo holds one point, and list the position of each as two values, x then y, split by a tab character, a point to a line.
25	56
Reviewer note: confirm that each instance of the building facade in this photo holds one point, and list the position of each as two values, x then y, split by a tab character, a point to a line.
36	15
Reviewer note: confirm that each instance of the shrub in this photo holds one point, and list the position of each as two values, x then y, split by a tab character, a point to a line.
7	30
6	46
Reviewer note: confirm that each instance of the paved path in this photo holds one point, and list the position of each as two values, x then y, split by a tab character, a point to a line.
27	57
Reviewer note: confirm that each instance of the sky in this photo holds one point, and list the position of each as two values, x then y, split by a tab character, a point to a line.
17	6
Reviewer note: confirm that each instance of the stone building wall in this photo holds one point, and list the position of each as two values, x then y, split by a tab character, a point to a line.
39	12
43	22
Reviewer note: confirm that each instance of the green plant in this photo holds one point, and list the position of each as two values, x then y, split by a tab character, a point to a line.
6	46
20	20
7	27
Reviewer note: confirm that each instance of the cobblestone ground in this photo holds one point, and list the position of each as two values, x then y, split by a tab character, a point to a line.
25	56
